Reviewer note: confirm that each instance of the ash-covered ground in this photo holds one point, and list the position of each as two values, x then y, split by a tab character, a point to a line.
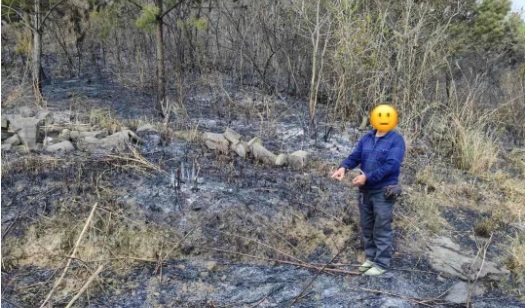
214	236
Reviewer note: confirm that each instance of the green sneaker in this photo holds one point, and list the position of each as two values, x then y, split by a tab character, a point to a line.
365	266
374	271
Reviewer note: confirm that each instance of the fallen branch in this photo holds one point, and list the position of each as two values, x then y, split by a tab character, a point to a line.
304	265
85	286
90	217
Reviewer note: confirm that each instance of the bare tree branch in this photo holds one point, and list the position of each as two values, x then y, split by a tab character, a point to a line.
50	11
136	4
170	9
24	21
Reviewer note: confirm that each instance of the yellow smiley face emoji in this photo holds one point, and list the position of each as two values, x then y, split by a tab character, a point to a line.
383	118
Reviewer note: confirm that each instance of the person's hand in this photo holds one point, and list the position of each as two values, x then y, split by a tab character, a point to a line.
359	180
339	174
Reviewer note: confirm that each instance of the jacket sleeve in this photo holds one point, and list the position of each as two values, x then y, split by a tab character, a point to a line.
392	164
354	159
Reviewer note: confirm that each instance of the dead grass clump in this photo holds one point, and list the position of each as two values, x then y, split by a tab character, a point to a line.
486	227
516	257
476	150
419	213
112	235
32	164
105	119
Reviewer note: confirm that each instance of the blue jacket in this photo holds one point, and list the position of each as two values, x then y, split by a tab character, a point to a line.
380	161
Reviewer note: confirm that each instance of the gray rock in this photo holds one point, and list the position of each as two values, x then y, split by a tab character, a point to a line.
46	117
147	128
13	140
232	136
281	160
240	149
26	111
298	159
74	135
64	146
27	130
263	154
216	142
96	134
5	123
447	257
459	293
119	140
65	134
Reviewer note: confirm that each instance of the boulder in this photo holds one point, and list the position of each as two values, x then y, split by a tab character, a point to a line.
147	128
447	257
75	135
298	159
27	130
281	160
64	146
26	112
13	140
216	142
64	134
119	140
46	117
263	154
232	136
240	148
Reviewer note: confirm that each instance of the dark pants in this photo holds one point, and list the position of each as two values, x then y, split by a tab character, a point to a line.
376	225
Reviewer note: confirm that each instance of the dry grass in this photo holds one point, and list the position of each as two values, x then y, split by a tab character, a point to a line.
516	257
477	150
105	119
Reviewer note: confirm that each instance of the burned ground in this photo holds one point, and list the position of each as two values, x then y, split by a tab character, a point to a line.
219	237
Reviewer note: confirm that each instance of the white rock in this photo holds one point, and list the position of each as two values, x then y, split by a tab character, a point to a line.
65	134
13	140
281	160
232	136
240	149
147	128
64	146
298	159
263	154
216	142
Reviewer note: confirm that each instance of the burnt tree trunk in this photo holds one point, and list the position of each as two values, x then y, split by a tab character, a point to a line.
37	54
161	105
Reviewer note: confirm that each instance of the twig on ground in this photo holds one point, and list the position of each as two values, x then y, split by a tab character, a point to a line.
48	297
305	265
85	286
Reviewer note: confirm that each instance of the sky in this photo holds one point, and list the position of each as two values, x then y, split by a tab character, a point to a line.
518	5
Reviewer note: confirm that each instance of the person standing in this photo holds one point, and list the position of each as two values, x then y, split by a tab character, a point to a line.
379	153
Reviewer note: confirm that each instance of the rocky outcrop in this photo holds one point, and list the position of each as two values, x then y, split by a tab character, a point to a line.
448	258
27	130
230	140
